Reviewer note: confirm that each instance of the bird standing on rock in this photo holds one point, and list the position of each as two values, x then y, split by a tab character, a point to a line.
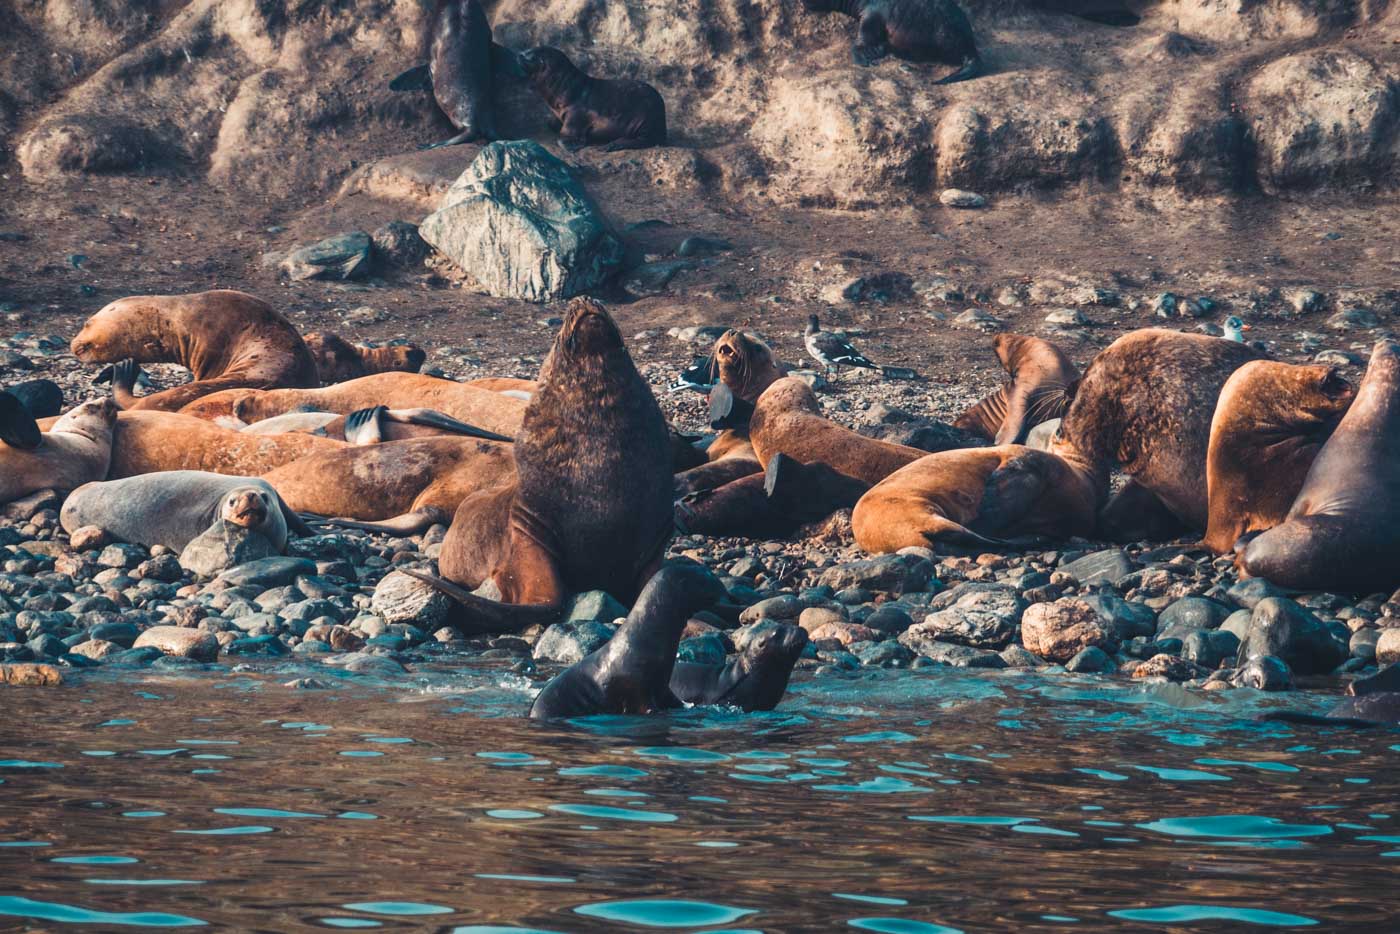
830	351
1234	329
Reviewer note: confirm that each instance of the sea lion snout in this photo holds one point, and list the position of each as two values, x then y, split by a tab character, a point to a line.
588	328
246	508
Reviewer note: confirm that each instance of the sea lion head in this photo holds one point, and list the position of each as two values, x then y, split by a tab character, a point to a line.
766	663
588	331
132	327
95	419
247	506
1265	396
542	62
406	358
745	363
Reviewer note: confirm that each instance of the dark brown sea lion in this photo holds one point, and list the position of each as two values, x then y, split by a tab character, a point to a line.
492	411
1270	422
338	360
226	339
632	673
976	497
917	30
591	506
769	504
1343	532
624	114
753	679
461	70
1039	379
1145	404
74	449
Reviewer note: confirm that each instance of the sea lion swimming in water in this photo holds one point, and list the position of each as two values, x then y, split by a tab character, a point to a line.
462	64
75	449
1343	531
338	360
624	114
591	506
755	678
1270	422
1040	379
632	673
917	30
226	339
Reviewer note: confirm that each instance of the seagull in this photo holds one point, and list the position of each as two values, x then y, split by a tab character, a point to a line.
1234	329
830	351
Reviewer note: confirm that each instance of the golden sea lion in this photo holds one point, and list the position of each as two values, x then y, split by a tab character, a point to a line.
74	449
1039	377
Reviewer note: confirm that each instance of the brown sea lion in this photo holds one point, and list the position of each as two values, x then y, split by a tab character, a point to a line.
591	506
1037	390
1343	532
372	426
75	449
510	385
917	30
226	339
1270	422
492	411
624	114
338	360
976	497
745	364
1145	404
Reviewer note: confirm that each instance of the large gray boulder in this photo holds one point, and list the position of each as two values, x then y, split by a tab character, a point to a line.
523	227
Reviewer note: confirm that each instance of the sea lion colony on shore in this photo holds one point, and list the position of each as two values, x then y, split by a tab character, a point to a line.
1284	466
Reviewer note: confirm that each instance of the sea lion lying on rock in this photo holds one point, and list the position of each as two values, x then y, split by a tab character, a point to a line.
175	507
1343	531
917	30
1038	389
371	426
75	449
591	505
338	360
975	498
491	411
1270	423
226	339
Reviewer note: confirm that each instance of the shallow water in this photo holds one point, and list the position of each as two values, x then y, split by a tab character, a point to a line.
917	801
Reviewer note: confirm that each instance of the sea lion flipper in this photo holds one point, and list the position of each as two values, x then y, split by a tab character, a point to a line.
431	418
124	374
475	614
462	137
410	523
365	426
728	410
417	78
295	523
971	68
18	428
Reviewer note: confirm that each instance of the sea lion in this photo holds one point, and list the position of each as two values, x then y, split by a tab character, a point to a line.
754	679
591	505
1370	702
226	339
175	507
771	504
506	385
1039	378
491	411
372	426
1145	404
18	429
976	497
1343	530
624	114
746	364
75	449
917	30
41	397
338	360
1270	422
632	673
461	69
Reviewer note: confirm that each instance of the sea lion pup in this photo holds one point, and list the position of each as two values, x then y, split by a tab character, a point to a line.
1037	390
491	411
1343	530
624	114
372	426
1270	422
41	397
461	69
175	507
632	673
754	679
591	505
917	30
338	360
1145	404
976	497
226	339
75	449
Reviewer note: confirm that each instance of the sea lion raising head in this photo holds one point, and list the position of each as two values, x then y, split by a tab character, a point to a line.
623	114
1040	381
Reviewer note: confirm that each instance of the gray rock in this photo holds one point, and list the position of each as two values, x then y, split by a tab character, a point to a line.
567	643
979	320
784	606
1188	615
121	555
654	278
1264	673
1354	319
959	656
594	604
1248	593
1208	648
264	573
1237	623
398	243
1089	661
981	617
224	545
703	650
365	663
890	620
176	640
1106	567
520	224
961	198
344	256
399	598
1283	629
160	568
1016	656
896	574
1363	644
1165	305
1124	618
1388	647
887	654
